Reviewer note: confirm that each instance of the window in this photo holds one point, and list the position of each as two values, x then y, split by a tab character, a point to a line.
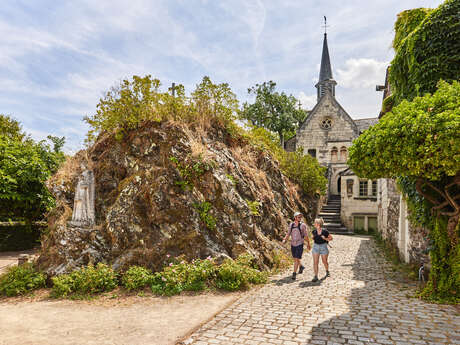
358	223
349	187
363	188
312	152
326	123
371	224
374	188
334	153
343	153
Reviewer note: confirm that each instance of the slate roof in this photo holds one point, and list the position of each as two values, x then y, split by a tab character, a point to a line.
364	124
325	72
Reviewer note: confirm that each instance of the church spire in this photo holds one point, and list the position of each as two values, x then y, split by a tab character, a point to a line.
325	82
326	70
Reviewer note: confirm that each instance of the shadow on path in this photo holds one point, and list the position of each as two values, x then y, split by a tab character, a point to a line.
379	309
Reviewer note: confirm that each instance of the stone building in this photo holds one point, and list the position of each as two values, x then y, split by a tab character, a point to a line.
327	133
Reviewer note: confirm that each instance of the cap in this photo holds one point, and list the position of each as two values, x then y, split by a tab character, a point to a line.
297	214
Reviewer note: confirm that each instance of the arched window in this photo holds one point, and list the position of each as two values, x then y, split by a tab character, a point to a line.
334	153
343	153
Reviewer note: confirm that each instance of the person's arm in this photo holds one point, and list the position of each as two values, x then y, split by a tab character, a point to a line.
328	237
287	235
306	237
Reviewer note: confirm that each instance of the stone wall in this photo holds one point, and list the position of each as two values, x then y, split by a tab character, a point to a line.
394	226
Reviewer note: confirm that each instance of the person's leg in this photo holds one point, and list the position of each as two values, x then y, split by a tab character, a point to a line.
315	265
325	263
296	264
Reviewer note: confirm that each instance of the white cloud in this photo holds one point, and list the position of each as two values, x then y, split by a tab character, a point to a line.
308	102
361	73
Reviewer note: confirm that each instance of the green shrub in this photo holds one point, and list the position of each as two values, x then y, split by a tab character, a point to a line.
230	276
136	278
207	218
88	280
20	236
238	274
19	280
183	276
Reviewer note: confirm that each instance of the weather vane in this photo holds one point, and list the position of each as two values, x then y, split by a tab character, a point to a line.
325	24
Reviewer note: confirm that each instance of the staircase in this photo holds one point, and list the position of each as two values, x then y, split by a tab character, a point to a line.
331	216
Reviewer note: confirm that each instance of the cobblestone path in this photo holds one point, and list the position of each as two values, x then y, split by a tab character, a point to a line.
359	304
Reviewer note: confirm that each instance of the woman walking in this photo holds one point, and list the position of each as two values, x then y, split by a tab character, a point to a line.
320	238
298	232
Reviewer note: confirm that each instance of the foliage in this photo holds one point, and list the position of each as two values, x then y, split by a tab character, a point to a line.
305	171
86	281
207	218
133	102
428	53
235	275
254	207
444	280
11	129
302	169
184	276
281	261
18	280
136	278
407	22
24	168
272	110
189	172
232	179
419	138
423	136
20	236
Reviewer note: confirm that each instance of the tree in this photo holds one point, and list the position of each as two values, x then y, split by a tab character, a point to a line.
418	143
24	168
11	128
272	110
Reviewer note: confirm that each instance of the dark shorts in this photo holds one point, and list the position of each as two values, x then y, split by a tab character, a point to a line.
297	251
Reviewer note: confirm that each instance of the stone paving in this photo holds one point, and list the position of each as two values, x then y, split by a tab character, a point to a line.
359	304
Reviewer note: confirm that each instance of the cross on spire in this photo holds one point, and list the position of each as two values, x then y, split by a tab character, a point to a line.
325	25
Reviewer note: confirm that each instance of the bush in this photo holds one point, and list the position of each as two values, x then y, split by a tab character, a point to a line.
88	280
19	280
136	278
20	237
183	276
237	274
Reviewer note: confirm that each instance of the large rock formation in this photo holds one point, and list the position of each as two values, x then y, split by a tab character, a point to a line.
169	188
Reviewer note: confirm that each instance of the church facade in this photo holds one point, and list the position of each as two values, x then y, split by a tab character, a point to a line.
327	134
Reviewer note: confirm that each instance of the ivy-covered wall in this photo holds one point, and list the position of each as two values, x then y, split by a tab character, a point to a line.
427	47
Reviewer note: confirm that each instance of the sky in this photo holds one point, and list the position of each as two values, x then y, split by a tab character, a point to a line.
58	58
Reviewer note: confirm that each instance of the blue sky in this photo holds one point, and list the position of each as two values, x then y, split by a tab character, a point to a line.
57	58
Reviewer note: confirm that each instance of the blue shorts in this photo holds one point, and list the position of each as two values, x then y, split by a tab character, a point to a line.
320	249
297	251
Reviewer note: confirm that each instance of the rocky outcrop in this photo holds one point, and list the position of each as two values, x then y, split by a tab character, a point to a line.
172	189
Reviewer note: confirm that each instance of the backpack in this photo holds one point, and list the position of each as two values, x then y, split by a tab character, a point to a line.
298	227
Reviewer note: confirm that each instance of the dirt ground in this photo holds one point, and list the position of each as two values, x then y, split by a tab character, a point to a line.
114	318
111	319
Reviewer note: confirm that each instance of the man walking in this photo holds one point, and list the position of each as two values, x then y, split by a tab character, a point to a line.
298	232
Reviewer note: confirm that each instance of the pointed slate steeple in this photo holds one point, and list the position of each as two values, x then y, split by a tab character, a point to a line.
325	82
326	70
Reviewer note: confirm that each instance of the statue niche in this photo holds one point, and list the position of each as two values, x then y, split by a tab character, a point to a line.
83	207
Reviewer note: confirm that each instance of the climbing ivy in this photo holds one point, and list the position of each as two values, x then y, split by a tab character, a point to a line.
418	139
427	53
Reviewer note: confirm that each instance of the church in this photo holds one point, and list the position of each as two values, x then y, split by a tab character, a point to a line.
327	134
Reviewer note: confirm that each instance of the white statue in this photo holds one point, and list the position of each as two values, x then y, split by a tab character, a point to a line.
83	207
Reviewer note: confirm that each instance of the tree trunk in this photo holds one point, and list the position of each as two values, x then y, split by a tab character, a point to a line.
281	134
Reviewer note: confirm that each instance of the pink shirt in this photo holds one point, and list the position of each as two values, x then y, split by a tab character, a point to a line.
296	236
